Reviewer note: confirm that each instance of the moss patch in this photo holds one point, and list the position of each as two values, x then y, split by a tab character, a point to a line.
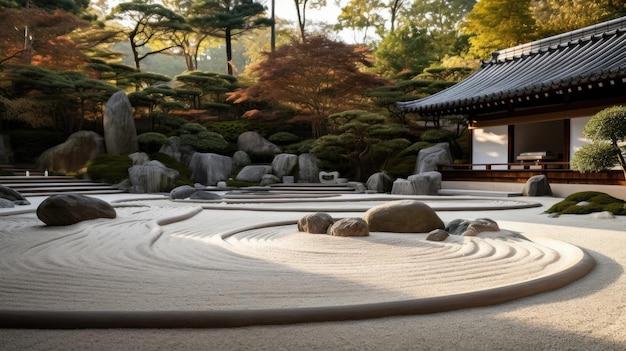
596	202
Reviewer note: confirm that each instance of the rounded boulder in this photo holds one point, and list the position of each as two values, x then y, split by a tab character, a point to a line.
403	216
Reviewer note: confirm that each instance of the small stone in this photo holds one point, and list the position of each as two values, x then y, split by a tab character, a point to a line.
182	192
204	195
553	215
437	235
4	203
471	228
603	215
349	227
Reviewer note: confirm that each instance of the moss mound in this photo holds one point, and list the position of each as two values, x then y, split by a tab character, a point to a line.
596	202
110	169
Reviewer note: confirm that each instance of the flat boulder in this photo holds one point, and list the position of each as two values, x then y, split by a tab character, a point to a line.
315	223
349	227
12	195
182	192
66	209
403	216
204	195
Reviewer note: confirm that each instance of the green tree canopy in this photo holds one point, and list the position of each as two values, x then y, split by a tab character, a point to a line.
499	24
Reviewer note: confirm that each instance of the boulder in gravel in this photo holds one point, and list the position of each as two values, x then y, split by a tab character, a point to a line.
437	235
182	192
204	195
472	227
12	195
403	216
315	223
120	135
66	209
4	203
241	159
349	227
537	186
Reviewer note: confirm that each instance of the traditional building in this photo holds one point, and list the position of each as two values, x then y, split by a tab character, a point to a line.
531	102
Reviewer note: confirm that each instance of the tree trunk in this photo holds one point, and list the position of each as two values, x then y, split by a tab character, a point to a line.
229	52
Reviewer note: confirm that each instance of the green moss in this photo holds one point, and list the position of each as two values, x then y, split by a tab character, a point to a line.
109	168
598	202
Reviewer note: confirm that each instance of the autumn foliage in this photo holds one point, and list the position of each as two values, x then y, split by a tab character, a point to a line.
50	46
317	77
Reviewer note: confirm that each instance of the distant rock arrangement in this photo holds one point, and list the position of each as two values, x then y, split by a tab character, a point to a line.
120	134
67	209
74	153
210	168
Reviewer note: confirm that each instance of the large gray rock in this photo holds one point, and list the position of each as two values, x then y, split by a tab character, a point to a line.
73	154
139	158
254	144
181	153
12	195
253	173
403	216
284	165
120	135
66	209
349	227
152	177
308	171
315	223
537	186
429	158
269	179
241	159
427	183
209	168
379	182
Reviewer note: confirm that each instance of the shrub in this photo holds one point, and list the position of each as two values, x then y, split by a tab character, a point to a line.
27	145
151	142
415	148
302	147
205	141
283	138
109	168
437	135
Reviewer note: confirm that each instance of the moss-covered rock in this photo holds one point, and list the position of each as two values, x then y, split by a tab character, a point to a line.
588	202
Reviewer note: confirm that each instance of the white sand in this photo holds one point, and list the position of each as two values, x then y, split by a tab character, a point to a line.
129	266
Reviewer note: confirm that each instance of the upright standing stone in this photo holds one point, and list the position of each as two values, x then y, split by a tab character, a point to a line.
210	168
308	171
120	135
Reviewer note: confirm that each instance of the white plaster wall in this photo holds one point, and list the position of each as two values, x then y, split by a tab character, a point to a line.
490	145
576	134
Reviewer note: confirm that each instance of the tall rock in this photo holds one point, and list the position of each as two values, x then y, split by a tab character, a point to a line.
120	135
284	165
73	154
308	171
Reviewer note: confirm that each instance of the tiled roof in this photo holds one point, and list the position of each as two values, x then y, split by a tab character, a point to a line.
539	71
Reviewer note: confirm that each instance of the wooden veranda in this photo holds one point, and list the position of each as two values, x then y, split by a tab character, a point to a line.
557	172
